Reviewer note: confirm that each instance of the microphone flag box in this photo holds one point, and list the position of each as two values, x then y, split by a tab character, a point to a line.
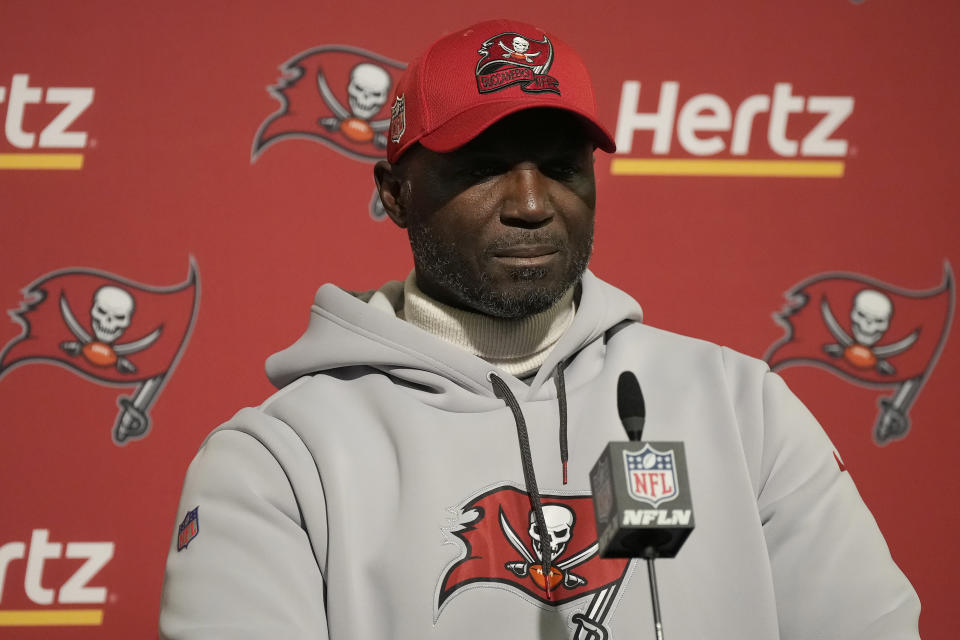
641	498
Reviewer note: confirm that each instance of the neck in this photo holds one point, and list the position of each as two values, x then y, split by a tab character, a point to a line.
517	346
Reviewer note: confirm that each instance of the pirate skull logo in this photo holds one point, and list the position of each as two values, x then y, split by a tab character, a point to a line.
502	54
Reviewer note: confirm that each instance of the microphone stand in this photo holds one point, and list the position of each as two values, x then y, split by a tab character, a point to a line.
651	554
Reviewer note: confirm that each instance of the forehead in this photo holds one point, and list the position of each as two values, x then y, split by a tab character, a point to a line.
533	131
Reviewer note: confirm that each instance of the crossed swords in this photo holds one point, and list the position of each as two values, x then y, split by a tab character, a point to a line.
522	569
132	421
73	348
844	340
510	53
588	625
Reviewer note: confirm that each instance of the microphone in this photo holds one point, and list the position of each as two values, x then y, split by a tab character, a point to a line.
641	494
630	405
630	482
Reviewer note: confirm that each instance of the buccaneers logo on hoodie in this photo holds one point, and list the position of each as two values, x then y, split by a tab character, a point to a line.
503	547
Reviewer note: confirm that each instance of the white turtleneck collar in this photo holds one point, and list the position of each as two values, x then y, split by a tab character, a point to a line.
518	346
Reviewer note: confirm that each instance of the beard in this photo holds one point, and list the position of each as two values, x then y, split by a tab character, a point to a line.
529	290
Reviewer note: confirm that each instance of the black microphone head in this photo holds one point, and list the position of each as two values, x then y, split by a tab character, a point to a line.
630	405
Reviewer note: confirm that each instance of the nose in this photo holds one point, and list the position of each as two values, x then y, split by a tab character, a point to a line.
527	201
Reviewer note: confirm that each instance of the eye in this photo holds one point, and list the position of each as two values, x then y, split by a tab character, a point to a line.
484	171
562	170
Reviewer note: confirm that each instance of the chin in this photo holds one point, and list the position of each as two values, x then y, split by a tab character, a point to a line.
529	291
528	274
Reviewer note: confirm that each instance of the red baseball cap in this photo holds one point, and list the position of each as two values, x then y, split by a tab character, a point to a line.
468	80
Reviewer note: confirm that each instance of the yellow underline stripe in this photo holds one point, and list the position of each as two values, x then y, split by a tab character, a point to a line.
724	167
41	160
52	618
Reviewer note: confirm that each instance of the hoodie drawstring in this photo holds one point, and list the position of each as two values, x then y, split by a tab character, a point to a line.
562	406
502	391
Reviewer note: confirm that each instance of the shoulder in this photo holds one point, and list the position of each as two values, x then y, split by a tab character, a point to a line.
256	438
676	351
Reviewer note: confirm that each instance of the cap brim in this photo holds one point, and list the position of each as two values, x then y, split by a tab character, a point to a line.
465	126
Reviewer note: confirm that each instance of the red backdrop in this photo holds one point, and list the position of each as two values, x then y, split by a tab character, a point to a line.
789	150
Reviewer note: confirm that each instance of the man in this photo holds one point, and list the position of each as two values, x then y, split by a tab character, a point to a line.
423	469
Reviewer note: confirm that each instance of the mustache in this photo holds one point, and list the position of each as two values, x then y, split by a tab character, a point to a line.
528	237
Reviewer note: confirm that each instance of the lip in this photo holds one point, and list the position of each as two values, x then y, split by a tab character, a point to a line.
527	255
526	251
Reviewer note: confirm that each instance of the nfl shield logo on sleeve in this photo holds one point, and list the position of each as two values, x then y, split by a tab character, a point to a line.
188	529
651	475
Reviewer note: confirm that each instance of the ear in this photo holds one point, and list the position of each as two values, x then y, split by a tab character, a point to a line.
390	188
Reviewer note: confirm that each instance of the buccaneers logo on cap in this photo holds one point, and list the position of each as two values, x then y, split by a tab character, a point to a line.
335	95
870	333
504	547
109	330
511	59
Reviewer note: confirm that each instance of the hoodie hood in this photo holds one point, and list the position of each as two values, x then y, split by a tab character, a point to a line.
345	331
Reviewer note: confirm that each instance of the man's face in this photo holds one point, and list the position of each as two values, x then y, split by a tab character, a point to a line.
503	225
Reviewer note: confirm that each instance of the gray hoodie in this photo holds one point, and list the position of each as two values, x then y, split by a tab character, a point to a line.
380	493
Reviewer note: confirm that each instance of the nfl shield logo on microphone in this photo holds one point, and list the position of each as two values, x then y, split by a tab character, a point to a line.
651	475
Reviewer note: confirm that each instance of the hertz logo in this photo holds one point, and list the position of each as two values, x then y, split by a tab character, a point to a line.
706	126
53	136
75	590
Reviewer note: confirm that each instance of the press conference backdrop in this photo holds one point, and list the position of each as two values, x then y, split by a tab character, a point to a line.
176	181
